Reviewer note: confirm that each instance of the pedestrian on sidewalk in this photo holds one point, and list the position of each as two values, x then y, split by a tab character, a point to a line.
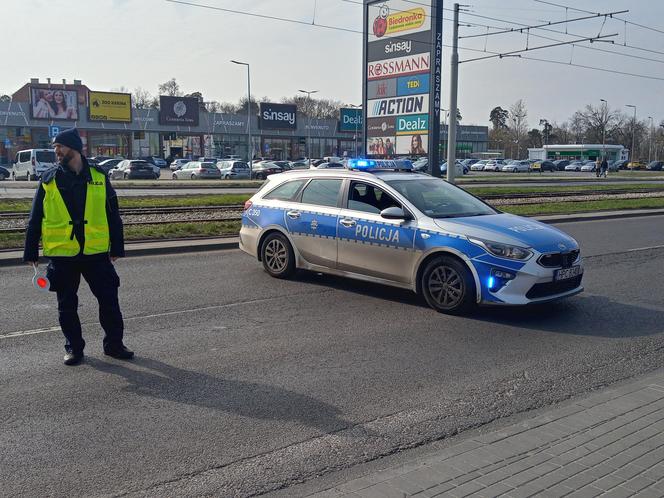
75	213
604	167
598	166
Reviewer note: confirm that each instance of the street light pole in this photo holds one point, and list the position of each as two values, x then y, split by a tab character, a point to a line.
606	105
632	153
650	138
454	87
250	148
356	128
309	92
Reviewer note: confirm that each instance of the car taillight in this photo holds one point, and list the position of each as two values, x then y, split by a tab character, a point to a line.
247	205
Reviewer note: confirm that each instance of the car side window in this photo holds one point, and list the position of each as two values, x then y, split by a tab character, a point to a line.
285	191
322	192
24	157
369	198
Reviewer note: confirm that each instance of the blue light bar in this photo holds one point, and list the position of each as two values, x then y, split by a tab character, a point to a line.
380	164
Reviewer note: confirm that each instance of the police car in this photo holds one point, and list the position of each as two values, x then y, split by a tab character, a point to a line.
379	221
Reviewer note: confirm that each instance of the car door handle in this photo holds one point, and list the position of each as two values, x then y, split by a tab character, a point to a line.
348	223
293	214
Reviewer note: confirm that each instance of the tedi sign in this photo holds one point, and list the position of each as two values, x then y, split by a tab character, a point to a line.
277	116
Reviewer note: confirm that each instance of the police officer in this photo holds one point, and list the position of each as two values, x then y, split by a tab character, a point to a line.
75	213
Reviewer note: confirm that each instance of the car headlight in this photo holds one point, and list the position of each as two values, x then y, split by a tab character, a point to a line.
504	250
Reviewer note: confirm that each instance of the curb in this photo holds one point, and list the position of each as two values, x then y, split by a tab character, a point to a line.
176	246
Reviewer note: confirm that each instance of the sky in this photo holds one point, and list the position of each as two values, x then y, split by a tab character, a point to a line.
110	44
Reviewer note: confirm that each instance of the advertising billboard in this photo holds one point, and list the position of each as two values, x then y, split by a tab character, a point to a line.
350	120
180	111
402	77
277	116
49	103
109	106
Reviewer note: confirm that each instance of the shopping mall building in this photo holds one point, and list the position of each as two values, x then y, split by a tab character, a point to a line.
185	131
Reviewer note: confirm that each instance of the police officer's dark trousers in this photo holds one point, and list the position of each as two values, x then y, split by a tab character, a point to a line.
65	276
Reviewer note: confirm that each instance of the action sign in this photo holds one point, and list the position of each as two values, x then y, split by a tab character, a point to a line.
109	106
402	77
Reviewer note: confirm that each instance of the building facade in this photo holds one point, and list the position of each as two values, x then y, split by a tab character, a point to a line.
23	125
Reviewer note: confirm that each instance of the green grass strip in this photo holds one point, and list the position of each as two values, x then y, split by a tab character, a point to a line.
584	206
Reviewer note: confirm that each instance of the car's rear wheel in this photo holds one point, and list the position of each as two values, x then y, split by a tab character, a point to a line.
448	286
175	177
278	256
193	177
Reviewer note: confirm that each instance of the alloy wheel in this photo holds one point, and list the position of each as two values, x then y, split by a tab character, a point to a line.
276	255
445	286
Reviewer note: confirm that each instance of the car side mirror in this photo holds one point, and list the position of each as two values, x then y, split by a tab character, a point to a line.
394	213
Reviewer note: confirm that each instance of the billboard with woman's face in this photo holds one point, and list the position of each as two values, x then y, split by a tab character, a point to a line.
48	103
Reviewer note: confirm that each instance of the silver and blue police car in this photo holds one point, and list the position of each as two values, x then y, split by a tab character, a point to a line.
380	222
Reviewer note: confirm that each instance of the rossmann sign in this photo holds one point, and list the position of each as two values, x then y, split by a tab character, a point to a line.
400	66
277	116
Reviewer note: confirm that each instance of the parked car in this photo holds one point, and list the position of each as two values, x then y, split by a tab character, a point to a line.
108	164
263	169
560	164
421	165
133	169
284	165
300	164
198	170
493	165
459	169
618	165
4	173
588	167
157	161
517	167
574	166
469	162
543	166
479	165
31	163
178	163
655	166
632	165
233	170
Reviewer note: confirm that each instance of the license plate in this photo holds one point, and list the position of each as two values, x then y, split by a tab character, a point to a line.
567	273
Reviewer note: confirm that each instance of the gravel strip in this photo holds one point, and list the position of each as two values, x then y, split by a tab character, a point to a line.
576	198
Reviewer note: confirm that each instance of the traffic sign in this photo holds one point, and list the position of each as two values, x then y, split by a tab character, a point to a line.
53	131
8	143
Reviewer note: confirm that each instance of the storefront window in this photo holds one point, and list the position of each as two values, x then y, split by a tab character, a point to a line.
277	148
108	144
12	140
145	144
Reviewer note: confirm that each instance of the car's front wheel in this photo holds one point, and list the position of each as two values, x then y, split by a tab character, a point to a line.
448	285
277	256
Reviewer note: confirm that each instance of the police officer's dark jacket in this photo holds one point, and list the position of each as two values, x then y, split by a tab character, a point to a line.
73	189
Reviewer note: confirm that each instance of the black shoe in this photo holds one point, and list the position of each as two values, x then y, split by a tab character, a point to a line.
121	353
72	358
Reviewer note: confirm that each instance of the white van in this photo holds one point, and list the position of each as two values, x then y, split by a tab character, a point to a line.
30	164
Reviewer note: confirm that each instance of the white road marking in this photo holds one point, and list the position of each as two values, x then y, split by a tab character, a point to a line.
21	333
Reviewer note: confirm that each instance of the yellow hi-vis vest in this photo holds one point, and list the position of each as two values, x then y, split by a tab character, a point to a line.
58	227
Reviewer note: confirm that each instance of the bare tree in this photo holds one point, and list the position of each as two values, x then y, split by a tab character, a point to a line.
170	88
5	98
315	108
597	121
518	119
142	99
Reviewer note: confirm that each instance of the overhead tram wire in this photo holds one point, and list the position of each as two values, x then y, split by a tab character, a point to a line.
348	30
643	26
559	32
586	47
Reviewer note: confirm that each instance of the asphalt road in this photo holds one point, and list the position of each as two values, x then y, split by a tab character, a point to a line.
245	384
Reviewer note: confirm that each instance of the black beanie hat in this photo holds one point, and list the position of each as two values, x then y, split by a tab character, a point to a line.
70	138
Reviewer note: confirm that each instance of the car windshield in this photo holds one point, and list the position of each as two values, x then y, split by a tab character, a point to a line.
438	199
208	165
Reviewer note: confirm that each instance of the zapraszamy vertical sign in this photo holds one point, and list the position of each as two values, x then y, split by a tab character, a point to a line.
402	78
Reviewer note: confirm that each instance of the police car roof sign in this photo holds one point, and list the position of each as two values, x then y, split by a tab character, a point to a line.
380	164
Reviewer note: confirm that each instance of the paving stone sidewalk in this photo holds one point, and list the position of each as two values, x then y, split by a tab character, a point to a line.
608	444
